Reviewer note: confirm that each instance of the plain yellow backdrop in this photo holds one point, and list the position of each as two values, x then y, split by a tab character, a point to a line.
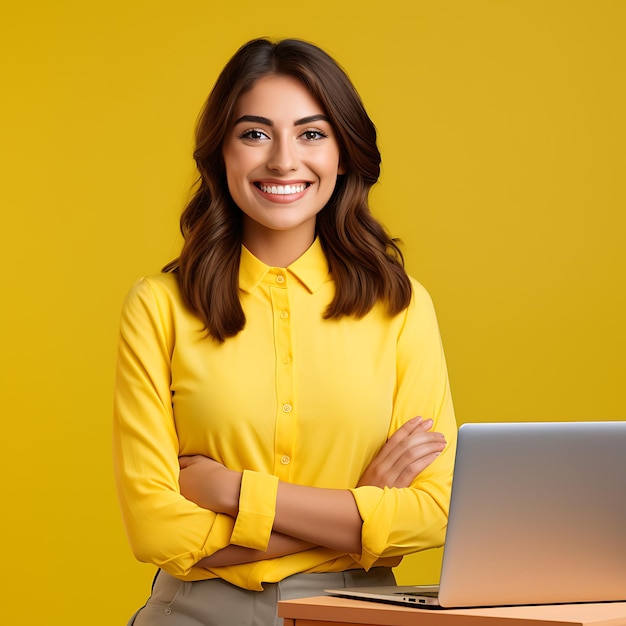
503	135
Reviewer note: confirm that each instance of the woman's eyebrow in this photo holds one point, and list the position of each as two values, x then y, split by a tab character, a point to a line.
311	118
257	119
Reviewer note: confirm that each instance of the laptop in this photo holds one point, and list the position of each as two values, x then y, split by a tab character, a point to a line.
537	516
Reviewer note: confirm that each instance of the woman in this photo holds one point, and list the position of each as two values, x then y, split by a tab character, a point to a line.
283	420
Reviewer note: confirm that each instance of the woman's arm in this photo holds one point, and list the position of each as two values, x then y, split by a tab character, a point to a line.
163	527
401	521
325	517
279	545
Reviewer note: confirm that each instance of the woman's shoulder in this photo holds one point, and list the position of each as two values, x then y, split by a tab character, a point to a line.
163	281
159	289
421	308
420	294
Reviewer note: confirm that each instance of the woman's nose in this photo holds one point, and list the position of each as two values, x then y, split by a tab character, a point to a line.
283	156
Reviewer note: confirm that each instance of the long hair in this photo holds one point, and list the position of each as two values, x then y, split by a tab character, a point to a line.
366	264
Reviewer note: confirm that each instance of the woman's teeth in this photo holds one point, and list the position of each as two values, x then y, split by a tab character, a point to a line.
282	190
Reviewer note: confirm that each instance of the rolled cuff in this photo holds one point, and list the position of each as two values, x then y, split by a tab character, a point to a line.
373	535
257	509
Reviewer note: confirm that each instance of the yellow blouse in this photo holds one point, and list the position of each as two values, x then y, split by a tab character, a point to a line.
292	397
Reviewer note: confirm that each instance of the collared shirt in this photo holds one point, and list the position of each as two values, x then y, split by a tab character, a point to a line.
292	397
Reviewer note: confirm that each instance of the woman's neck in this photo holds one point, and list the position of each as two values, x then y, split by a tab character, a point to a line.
278	248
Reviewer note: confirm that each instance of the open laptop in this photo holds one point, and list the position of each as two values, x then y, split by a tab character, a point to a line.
537	516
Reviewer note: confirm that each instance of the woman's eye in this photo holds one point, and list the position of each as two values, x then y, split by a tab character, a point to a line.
254	135
313	135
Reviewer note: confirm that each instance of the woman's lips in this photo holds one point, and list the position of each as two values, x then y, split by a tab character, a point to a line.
282	193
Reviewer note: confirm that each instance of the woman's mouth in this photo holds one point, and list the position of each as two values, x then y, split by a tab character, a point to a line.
282	190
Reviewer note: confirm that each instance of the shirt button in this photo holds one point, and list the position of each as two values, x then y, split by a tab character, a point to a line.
167	610
285	459
284	315
280	279
286	359
287	408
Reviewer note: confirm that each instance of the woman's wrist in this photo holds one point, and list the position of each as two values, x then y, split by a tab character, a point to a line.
229	495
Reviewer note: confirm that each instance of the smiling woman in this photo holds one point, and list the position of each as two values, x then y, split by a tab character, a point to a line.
358	250
282	416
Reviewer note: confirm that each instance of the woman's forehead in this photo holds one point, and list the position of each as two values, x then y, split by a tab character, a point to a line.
278	97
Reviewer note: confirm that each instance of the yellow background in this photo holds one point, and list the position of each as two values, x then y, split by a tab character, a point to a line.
504	159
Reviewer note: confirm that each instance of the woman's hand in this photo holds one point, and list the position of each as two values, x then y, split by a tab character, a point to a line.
407	453
209	484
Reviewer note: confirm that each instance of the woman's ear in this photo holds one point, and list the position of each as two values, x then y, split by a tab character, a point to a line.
341	168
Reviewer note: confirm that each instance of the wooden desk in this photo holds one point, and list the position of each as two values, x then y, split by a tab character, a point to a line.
331	611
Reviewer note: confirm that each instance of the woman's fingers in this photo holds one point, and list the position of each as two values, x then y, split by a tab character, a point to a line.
419	452
406	441
411	449
414	469
414	463
391	445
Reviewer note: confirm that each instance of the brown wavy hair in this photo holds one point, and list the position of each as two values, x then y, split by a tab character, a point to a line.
366	264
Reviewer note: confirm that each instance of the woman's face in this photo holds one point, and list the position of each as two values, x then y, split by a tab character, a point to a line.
282	160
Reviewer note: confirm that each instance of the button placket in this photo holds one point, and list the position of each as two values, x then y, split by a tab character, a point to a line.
286	409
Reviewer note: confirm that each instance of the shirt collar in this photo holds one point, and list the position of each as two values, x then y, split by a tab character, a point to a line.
311	269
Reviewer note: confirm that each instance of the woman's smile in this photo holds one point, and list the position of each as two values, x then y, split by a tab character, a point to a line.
282	193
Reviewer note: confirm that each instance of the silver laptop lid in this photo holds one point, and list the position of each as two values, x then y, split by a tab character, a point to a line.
538	515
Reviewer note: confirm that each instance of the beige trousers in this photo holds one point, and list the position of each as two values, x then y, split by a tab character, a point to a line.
217	603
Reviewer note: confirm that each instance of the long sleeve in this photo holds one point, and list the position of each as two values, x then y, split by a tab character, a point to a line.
401	521
163	527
